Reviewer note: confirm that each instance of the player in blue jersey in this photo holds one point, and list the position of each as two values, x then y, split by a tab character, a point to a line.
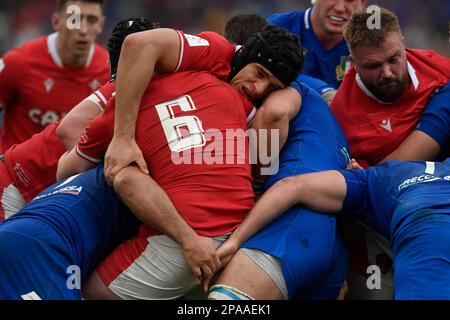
320	29
240	27
407	202
300	255
55	242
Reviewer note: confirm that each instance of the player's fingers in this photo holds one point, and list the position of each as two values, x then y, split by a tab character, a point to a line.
206	283
142	165
197	271
110	174
216	263
206	271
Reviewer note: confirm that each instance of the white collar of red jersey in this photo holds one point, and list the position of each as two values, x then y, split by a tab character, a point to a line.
51	43
412	75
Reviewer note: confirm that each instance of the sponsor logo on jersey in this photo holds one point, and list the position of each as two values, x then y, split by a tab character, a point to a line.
94	85
386	125
73	190
44	118
342	68
419	179
48	85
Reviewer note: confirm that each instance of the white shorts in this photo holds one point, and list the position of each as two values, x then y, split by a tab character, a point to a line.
149	268
11	201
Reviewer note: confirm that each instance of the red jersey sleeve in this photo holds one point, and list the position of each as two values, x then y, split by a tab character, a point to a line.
206	51
12	68
101	97
97	135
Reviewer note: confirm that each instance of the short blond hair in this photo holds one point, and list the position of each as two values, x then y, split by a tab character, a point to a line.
357	33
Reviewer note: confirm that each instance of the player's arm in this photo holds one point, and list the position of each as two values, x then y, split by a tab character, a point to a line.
73	124
432	133
142	54
326	91
271	125
417	146
91	146
71	163
150	203
322	191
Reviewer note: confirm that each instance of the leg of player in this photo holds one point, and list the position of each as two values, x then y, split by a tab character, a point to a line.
243	274
94	288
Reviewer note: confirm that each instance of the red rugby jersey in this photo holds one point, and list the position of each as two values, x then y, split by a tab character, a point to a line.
375	129
32	164
182	113
36	89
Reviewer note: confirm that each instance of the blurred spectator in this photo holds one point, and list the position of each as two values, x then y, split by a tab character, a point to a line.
22	20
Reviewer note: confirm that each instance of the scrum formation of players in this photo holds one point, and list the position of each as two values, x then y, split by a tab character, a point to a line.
127	173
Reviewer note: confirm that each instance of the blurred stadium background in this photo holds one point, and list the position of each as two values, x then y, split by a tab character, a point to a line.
424	23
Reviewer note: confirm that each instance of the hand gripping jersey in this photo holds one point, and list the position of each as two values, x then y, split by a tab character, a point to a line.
36	89
190	129
326	65
409	203
32	164
374	129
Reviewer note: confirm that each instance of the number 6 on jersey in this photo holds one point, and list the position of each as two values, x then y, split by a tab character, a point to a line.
182	133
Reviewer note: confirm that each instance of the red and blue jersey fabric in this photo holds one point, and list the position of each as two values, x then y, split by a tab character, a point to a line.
374	129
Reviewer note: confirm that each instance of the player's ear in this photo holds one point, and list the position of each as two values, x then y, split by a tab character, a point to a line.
56	21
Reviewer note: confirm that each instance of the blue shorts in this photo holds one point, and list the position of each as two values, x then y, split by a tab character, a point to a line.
312	255
422	258
37	261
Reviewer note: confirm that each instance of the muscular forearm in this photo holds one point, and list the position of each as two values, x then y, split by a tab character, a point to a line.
322	191
149	202
142	54
418	146
135	69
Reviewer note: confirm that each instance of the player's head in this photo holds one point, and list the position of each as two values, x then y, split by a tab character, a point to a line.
78	23
379	54
269	60
240	27
118	35
331	15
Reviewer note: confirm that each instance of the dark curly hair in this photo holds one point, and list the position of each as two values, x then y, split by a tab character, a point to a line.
118	35
276	49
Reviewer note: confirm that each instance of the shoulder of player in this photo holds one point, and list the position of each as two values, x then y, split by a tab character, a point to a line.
22	57
289	20
215	38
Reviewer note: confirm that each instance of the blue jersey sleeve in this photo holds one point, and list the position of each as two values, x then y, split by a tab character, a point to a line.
290	20
356	198
435	120
317	85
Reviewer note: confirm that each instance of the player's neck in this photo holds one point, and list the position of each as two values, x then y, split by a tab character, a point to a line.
68	58
328	40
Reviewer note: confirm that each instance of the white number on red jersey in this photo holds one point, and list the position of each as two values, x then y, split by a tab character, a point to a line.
183	132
